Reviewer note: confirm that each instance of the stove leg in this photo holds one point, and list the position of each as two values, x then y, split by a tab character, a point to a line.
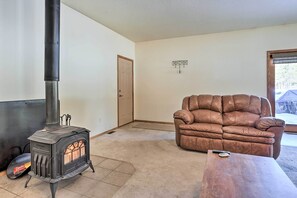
29	178
91	166
53	187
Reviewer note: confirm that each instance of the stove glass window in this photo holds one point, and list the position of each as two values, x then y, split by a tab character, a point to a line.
74	151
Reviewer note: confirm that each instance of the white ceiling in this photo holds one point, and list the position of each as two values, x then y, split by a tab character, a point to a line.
143	20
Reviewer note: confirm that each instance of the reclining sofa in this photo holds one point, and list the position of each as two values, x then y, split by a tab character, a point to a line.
237	123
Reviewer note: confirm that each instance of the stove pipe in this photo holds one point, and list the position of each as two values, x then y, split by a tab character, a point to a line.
51	63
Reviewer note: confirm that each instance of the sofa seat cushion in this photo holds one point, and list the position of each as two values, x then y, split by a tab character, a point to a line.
247	131
243	138
205	127
202	134
205	130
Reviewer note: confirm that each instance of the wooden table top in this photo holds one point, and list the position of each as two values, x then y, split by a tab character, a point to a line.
245	176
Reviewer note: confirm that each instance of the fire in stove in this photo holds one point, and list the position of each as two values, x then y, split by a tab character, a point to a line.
74	151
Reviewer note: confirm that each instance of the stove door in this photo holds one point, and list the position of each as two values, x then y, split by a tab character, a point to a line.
74	155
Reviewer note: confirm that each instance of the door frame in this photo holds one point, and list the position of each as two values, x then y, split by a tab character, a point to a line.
123	57
271	83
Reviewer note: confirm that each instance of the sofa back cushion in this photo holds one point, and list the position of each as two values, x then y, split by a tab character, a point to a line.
228	110
207	116
205	108
244	110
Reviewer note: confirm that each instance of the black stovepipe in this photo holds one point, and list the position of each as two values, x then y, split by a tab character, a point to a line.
51	63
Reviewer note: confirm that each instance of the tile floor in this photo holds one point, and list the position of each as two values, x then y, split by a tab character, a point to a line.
110	175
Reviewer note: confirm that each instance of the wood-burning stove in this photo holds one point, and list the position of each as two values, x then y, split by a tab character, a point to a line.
57	152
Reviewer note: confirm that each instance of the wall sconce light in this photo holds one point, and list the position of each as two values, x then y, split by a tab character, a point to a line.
178	64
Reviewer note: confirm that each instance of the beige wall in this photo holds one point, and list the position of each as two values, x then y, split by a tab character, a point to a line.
88	62
88	87
223	63
21	49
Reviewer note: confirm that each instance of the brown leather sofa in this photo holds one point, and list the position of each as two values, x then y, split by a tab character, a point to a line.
237	123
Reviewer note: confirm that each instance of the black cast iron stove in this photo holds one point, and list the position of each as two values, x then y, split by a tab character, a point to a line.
57	152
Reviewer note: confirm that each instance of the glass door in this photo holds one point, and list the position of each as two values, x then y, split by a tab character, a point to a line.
282	86
286	92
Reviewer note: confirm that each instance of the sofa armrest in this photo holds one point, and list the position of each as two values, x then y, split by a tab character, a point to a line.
264	123
278	132
184	115
274	125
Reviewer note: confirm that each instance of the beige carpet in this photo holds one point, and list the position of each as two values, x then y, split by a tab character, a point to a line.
288	162
154	126
133	163
162	169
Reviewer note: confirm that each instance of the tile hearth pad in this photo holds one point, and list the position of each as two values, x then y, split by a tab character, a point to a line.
109	177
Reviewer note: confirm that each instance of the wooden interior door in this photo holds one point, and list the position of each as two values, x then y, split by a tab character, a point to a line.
125	91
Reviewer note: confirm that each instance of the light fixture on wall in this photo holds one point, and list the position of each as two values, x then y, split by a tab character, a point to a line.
178	64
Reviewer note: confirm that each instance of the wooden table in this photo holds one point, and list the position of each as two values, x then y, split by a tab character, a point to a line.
245	176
